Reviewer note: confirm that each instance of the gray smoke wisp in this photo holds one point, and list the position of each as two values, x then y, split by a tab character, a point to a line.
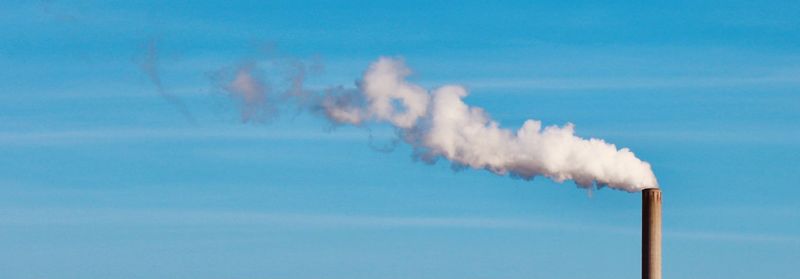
148	63
438	124
258	96
251	93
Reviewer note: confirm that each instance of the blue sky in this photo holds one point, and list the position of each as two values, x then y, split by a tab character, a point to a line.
103	178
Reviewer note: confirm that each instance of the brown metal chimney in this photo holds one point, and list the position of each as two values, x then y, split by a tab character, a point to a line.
651	233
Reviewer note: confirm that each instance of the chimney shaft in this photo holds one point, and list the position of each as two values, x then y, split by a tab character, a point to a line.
651	234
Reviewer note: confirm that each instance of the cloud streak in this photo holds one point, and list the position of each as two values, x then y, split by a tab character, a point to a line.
126	135
12	217
577	83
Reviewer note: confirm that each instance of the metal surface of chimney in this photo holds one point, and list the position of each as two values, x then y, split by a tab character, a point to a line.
651	234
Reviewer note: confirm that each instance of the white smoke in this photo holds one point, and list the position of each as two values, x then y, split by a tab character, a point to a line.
438	124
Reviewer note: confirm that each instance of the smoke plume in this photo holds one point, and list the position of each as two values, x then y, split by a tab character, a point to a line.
251	93
438	124
148	63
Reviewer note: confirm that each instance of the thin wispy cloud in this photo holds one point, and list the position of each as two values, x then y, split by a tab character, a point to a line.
124	135
578	83
744	135
732	236
748	211
178	218
376	138
160	217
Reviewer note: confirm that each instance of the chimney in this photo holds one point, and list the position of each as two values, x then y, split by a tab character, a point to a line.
651	233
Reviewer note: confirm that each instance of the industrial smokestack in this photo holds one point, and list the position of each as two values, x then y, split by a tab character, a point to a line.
651	233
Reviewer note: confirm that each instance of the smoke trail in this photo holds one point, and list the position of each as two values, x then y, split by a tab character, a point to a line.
438	124
258	96
149	65
251	93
